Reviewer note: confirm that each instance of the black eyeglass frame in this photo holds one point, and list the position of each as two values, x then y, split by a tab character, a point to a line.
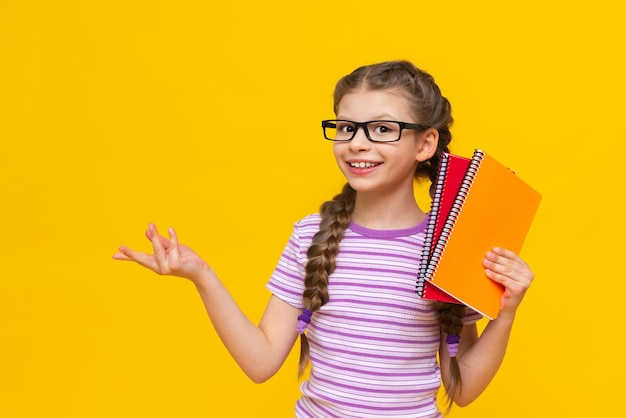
403	125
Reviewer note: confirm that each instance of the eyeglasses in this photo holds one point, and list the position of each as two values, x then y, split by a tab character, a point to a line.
375	130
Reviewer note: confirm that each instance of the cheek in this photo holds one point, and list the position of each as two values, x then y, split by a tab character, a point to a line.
338	150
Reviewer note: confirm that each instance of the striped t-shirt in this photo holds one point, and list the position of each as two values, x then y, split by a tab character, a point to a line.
373	346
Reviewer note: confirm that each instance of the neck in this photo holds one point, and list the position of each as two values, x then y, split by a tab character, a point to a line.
374	211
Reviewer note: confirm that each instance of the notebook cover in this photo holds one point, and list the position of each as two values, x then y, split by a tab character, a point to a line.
497	211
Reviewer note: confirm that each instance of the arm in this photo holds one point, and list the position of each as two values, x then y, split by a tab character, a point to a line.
258	350
480	358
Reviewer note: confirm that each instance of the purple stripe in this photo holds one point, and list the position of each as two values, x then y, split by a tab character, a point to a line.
288	257
365	372
366	408
286	273
366	285
371	337
397	270
275	288
327	413
387	234
399	324
399	256
381	357
374	304
379	391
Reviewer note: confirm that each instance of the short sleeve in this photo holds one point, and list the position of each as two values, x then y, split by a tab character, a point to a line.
287	280
471	316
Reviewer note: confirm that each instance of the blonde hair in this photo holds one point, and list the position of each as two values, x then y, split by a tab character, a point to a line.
430	108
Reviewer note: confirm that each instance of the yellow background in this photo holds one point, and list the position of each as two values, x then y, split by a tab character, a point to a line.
205	116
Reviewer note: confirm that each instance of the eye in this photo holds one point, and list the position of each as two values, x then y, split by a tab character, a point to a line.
385	128
345	127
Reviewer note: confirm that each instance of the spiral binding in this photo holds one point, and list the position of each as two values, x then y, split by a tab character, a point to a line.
434	213
455	211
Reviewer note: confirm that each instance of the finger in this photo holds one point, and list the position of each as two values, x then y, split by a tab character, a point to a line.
120	256
143	259
508	277
159	251
173	251
505	261
164	241
497	264
501	273
512	256
514	284
173	240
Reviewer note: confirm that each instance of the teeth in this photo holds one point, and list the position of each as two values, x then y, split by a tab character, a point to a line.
362	164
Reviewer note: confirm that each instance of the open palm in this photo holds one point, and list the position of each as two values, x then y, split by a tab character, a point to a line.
169	257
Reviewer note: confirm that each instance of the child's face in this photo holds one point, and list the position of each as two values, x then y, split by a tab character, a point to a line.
379	167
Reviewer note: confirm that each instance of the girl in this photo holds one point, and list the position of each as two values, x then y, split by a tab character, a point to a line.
346	280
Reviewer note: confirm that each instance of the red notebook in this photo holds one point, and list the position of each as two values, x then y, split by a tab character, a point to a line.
491	207
452	170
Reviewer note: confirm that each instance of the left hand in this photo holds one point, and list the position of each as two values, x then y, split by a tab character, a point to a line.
507	268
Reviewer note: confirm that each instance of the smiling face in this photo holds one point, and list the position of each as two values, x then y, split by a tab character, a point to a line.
381	167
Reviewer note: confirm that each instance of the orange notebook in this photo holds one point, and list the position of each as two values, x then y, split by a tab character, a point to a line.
492	207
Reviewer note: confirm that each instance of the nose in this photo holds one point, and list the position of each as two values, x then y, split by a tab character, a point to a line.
360	141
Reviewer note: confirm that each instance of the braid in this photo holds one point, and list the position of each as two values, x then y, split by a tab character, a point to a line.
335	218
451	321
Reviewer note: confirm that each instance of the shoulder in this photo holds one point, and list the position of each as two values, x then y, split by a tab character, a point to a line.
303	232
312	220
308	225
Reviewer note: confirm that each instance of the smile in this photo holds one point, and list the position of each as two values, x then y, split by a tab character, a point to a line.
363	164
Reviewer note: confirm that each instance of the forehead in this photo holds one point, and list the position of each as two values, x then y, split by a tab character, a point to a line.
364	105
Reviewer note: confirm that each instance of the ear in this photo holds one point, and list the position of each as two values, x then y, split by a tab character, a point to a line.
427	144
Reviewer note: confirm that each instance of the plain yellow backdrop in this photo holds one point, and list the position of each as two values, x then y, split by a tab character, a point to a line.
205	116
